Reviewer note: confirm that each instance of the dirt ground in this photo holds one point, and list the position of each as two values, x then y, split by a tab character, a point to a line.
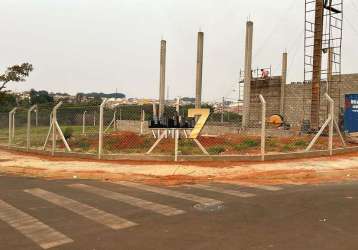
308	171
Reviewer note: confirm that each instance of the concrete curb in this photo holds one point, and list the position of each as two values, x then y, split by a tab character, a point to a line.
183	158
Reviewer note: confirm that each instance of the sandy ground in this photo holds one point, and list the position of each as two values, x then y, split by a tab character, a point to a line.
318	170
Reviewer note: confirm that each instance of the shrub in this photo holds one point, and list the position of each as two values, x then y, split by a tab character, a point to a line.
287	147
216	150
246	144
68	133
300	143
84	143
271	143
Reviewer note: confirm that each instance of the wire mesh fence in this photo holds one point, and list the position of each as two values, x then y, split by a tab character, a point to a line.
127	130
19	133
4	128
40	121
79	126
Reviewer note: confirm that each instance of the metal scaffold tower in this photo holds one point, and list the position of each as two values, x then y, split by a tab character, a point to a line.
322	50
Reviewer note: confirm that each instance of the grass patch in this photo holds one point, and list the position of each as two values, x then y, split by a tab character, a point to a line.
301	143
216	150
246	144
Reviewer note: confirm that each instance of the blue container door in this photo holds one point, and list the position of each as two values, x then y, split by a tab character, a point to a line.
351	113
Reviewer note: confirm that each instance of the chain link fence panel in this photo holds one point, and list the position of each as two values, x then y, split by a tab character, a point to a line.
4	128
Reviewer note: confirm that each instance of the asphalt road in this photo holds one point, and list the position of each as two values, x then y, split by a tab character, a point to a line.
80	214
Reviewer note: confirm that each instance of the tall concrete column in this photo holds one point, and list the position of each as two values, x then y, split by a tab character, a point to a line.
283	82
248	73
317	64
199	69
329	70
163	54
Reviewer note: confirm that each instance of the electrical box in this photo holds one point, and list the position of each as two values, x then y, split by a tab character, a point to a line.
351	113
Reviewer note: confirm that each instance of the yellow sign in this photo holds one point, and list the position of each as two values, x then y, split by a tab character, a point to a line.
203	115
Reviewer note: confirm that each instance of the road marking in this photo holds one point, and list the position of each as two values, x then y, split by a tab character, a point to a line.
257	186
155	207
38	232
172	193
223	191
84	210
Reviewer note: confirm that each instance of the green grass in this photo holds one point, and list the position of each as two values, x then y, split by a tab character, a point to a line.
246	144
216	150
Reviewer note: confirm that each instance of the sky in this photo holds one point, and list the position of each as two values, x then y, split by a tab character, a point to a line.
95	45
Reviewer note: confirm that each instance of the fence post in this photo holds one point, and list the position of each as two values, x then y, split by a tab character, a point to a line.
115	120
84	122
142	120
11	125
37	116
28	138
94	119
177	106
222	110
331	123
100	132
263	127
54	120
176	136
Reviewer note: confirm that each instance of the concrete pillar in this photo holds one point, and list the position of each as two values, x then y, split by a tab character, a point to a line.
199	69
163	54
317	64
329	70
248	73
283	82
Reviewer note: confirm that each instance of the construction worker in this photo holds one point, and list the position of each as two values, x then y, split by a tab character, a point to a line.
264	73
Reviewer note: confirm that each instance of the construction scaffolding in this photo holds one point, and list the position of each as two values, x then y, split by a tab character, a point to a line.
322	51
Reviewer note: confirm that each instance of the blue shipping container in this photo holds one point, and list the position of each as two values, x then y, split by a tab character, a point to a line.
351	113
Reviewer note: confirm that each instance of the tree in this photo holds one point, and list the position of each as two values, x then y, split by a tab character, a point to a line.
40	97
7	101
16	73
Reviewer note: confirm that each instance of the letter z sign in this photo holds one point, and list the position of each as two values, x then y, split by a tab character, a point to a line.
203	115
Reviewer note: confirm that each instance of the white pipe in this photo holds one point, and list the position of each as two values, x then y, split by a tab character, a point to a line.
100	132
263	127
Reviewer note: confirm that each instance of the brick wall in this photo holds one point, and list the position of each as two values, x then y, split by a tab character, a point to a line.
270	89
297	105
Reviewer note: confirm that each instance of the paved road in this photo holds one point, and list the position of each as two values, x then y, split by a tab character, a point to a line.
87	215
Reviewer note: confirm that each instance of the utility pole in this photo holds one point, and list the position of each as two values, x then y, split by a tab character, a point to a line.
317	64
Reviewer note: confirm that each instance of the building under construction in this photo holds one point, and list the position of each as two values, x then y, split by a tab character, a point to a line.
304	102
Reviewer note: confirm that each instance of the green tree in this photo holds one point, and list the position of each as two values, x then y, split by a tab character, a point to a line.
7	101
15	73
40	97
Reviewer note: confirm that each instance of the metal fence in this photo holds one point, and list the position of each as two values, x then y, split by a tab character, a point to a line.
124	130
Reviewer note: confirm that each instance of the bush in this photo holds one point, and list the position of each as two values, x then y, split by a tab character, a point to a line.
246	144
271	143
216	150
68	133
287	148
84	143
301	143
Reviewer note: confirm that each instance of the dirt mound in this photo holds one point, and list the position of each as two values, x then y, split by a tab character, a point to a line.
210	141
124	139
